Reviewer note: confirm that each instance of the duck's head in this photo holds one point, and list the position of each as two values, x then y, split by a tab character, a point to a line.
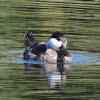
58	42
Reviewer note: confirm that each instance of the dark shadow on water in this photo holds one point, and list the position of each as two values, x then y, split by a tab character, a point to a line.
55	73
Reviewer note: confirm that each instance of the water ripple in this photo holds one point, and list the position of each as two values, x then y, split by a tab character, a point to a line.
86	59
80	58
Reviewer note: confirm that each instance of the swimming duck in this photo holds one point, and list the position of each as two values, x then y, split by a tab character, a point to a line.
54	50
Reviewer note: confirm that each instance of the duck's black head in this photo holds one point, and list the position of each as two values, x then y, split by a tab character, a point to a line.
58	42
59	36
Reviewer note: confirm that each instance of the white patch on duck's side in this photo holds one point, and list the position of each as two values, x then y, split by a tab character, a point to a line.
54	44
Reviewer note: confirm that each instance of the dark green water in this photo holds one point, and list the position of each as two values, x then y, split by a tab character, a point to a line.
79	20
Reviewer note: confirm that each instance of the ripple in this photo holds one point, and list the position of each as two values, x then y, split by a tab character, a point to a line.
83	58
80	58
1	41
15	51
22	61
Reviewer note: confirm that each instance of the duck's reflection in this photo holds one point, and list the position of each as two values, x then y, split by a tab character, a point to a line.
55	73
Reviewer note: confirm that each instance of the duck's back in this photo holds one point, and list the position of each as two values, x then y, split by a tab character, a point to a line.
38	52
34	51
39	48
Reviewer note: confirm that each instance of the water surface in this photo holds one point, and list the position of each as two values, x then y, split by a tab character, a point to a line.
79	20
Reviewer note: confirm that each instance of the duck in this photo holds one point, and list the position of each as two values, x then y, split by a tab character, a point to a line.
54	50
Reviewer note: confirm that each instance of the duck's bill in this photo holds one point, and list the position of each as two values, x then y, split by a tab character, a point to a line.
67	55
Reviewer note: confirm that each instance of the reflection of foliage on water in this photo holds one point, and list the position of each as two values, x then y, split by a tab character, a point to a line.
30	83
79	20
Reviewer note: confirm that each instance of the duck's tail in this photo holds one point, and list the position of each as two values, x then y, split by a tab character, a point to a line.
29	39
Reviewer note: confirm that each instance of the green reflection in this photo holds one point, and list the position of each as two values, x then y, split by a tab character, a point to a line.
79	20
18	82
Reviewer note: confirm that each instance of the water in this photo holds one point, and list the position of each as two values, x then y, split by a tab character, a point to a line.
79	20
